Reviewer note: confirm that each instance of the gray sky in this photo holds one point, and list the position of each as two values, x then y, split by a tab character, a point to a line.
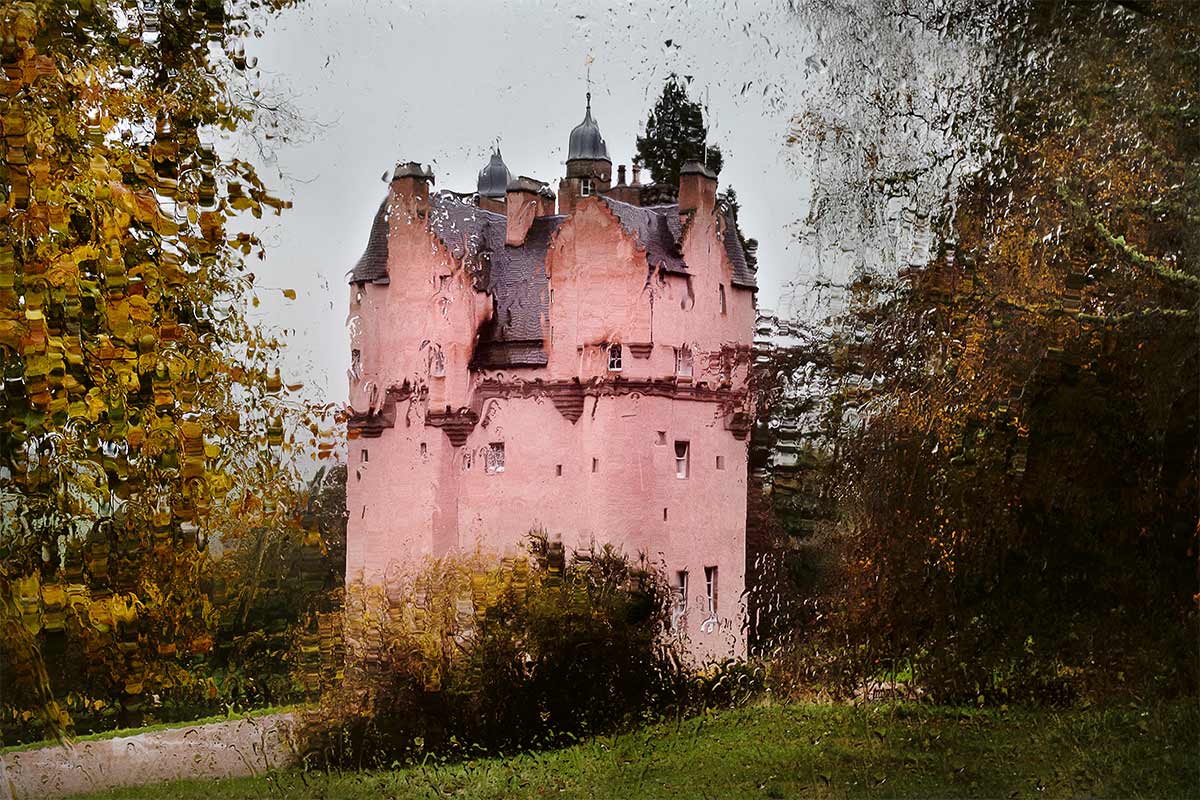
379	82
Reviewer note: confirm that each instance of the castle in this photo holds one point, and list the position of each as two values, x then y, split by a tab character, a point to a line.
584	372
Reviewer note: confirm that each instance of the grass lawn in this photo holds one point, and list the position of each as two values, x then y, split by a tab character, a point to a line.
803	751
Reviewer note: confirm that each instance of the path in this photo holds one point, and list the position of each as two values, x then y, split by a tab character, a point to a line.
246	746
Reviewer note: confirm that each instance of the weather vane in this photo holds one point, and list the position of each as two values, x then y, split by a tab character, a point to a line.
588	65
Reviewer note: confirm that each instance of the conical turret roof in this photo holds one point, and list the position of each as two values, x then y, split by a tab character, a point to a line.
586	141
494	178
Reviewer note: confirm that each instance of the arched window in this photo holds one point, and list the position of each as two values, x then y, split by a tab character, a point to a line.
683	362
614	358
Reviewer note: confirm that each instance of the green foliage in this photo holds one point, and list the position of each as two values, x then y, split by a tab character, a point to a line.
477	657
675	133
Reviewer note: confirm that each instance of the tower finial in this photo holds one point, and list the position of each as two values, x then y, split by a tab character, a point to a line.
588	64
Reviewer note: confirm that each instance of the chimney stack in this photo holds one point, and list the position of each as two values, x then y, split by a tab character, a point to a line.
697	189
410	187
637	174
621	175
546	202
522	204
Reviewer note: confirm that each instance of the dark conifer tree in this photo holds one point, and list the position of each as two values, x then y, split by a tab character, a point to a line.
675	133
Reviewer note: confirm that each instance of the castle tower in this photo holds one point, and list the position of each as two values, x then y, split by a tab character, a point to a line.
589	169
493	183
583	372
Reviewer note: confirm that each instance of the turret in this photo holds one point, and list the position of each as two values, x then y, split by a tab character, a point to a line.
589	169
493	183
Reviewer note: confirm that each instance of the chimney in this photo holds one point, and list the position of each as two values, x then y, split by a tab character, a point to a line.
410	187
697	189
637	174
521	205
621	175
546	202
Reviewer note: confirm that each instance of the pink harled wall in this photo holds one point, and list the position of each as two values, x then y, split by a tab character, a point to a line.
608	477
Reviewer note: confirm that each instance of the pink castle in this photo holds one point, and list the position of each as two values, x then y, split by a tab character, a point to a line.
583	372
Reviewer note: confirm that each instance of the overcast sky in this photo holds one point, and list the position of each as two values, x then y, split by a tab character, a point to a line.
378	82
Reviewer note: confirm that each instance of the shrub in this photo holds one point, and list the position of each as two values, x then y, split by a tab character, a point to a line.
476	656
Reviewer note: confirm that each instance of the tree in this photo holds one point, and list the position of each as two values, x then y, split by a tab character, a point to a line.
675	133
1017	428
136	391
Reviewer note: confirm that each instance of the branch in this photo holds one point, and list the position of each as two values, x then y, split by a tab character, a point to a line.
1119	244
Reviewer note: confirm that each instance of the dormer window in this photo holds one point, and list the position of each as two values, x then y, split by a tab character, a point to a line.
614	358
586	187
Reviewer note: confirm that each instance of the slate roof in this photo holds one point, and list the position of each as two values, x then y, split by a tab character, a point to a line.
520	294
372	265
470	233
516	276
657	229
743	275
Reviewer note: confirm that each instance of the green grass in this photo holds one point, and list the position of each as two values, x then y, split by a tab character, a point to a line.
162	726
823	751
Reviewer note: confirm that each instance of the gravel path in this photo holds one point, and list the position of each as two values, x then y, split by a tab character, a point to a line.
247	746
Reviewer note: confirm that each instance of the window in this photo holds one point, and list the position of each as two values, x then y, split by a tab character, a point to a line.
424	449
661	438
614	358
493	458
683	362
720	462
558	470
437	362
681	459
664	515
680	590
356	363
721	296
710	590
586	187
595	465
363	456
